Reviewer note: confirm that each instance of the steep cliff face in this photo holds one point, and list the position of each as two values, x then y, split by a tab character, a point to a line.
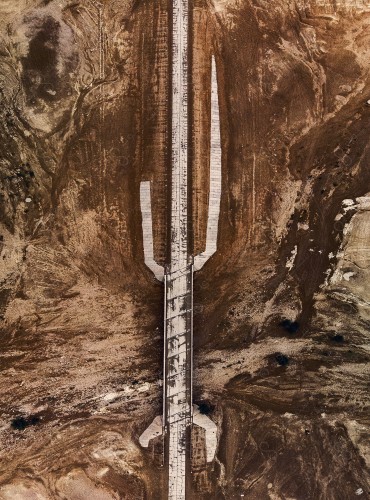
282	310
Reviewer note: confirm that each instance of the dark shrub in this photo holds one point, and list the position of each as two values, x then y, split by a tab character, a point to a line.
281	359
337	338
290	326
20	423
205	408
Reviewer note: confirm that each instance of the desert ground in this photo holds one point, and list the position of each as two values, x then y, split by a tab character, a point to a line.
281	312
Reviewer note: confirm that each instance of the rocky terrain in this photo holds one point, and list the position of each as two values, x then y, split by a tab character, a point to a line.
282	311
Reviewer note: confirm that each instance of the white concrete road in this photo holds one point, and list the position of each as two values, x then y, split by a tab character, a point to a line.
178	348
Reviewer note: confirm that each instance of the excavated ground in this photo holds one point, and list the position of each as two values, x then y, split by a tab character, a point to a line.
282	312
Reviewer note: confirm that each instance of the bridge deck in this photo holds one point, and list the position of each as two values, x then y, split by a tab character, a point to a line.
178	377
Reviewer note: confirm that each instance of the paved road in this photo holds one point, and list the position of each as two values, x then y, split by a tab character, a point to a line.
178	279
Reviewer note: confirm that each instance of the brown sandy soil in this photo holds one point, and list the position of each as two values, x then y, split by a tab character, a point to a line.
84	118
